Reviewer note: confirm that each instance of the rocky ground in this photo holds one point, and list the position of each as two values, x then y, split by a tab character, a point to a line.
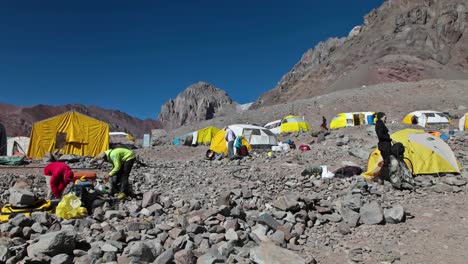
256	210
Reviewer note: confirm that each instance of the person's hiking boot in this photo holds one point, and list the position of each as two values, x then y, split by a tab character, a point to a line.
121	196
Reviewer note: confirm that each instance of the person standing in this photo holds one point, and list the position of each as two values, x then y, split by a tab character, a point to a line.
3	141
122	160
324	123
60	176
384	145
230	137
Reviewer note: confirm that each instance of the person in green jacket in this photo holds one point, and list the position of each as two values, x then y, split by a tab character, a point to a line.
122	160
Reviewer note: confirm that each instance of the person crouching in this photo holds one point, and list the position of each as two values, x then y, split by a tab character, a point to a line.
60	176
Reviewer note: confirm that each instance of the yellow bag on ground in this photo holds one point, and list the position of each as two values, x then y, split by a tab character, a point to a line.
70	207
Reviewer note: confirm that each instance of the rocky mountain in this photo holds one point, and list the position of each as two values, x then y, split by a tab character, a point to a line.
200	101
19	120
402	40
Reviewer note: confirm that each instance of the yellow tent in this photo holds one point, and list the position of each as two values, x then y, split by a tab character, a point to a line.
71	133
426	118
206	134
292	123
424	154
352	119
219	145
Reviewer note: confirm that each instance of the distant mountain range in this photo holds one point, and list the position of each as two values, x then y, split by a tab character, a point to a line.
19	120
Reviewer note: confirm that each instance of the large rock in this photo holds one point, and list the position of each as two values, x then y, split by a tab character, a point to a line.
268	220
141	252
21	197
149	198
184	257
371	214
268	253
288	202
394	215
165	258
53	243
61	259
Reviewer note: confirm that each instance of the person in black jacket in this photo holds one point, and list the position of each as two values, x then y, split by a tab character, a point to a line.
385	145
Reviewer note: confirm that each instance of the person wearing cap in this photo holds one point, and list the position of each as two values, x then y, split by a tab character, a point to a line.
60	176
384	145
122	160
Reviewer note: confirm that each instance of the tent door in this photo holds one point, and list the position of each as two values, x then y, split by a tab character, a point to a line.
60	140
356	119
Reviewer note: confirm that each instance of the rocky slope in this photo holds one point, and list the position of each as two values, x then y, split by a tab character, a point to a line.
19	120
400	41
200	101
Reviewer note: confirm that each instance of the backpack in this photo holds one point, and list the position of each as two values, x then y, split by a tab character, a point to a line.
243	151
400	176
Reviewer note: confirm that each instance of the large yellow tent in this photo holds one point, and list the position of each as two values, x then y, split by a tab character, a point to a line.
424	154
292	123
218	143
71	133
205	135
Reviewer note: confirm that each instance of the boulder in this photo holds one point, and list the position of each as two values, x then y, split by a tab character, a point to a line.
268	253
141	252
288	202
268	220
53	243
21	197
61	259
149	198
394	215
371	214
184	257
165	258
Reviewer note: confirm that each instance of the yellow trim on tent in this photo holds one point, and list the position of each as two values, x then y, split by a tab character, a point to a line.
407	119
293	126
420	158
219	144
83	135
206	134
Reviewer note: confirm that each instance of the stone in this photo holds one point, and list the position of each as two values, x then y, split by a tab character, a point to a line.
207	258
137	226
21	221
184	257
246	193
216	238
86	259
259	233
371	213
333	217
165	258
195	229
4	253
394	215
288	202
109	214
53	243
278	237
268	253
224	198
21	197
149	198
349	216
142	252
109	257
343	228
352	201
231	235
109	248
268	220
176	232
61	259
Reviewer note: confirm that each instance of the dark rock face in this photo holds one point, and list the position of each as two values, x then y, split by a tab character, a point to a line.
200	101
400	41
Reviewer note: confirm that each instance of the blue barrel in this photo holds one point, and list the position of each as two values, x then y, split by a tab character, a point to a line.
370	119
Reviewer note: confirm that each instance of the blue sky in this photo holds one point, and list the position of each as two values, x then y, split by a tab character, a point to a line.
135	55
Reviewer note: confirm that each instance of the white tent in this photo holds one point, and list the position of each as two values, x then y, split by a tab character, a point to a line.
427	117
17	146
258	137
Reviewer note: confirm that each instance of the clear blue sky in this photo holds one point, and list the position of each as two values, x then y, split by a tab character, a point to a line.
135	55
